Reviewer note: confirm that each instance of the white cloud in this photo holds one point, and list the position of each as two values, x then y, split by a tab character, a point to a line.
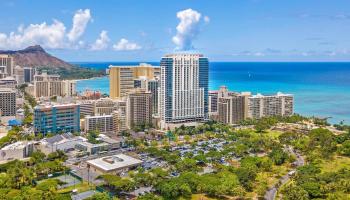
50	36
80	20
259	54
188	28
101	43
126	45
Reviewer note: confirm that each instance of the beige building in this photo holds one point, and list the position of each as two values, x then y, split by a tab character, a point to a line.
273	105
7	61
104	106
102	124
87	107
139	108
46	85
119	121
69	88
230	107
122	78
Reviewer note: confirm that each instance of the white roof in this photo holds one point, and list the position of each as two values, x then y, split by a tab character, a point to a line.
16	145
114	162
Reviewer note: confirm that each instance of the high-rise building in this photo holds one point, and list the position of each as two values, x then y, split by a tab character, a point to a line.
68	88
102	124
140	82
121	81
139	108
7	102
183	88
119	116
104	106
119	121
87	107
56	118
29	74
7	61
19	74
122	78
3	72
272	105
152	86
8	82
230	106
47	85
213	102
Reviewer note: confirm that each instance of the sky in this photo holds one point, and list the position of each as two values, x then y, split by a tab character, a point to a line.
223	30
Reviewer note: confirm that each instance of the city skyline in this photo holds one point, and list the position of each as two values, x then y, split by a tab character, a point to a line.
253	30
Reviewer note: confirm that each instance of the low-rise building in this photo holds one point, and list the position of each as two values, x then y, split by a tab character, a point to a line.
113	164
18	150
63	142
104	144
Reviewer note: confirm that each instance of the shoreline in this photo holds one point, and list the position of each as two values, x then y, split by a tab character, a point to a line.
92	78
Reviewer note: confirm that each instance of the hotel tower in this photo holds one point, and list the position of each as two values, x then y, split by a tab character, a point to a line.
183	89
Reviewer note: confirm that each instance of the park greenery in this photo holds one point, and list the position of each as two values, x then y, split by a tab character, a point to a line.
18	179
257	157
74	72
253	157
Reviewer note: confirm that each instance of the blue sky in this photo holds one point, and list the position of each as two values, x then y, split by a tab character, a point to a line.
232	30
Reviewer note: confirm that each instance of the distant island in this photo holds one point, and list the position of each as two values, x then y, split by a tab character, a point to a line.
36	56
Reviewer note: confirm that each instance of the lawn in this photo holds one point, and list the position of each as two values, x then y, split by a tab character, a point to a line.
336	164
202	197
81	187
274	134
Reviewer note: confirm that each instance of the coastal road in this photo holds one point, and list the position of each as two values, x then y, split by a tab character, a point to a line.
271	193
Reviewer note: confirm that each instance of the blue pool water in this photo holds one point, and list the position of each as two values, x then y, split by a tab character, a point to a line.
320	89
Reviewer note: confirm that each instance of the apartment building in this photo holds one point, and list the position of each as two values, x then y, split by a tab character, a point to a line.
56	118
7	62
102	124
230	106
139	108
7	102
122	78
104	106
183	88
271	105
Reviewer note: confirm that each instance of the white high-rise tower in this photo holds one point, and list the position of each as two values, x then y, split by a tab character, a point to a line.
183	88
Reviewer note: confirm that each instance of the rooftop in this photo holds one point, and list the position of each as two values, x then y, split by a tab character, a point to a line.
115	162
279	94
42	106
16	145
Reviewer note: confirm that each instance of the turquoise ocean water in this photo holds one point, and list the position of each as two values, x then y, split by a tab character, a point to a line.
320	89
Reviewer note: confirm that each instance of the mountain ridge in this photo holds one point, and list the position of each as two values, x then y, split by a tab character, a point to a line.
36	56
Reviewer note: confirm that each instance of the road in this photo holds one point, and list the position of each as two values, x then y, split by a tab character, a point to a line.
271	193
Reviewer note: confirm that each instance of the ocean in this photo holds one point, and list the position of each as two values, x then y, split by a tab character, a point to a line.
320	89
